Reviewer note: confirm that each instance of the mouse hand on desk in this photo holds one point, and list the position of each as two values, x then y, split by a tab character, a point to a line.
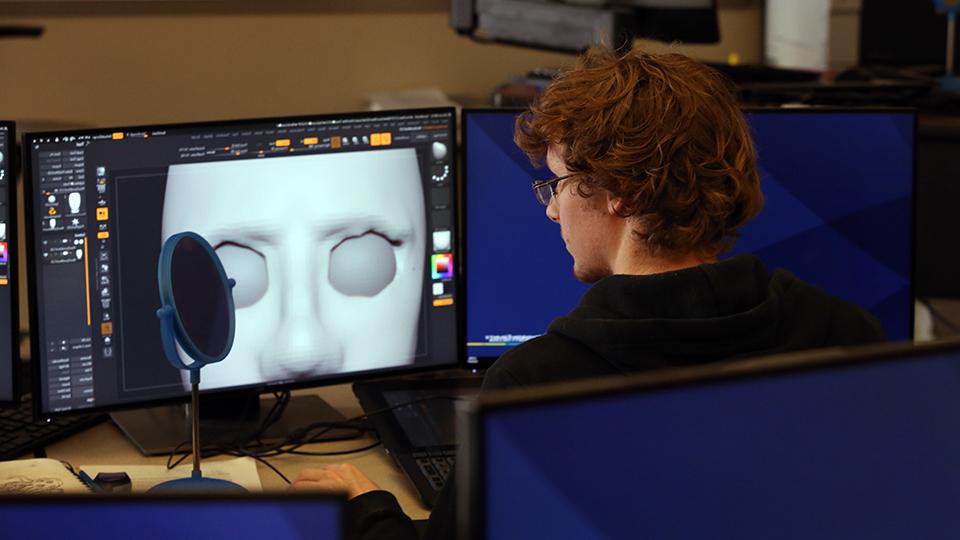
342	478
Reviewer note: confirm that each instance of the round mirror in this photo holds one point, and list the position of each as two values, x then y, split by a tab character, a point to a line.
195	287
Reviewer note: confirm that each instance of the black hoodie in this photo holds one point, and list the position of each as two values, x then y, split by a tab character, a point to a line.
730	309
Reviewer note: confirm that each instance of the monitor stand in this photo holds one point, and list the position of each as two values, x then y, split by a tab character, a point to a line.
158	430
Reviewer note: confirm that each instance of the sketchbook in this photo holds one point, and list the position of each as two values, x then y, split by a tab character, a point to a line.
38	477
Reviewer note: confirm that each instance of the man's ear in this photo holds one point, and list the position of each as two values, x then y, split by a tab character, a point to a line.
614	205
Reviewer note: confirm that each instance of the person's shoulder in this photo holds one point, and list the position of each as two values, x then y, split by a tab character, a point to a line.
544	359
847	322
519	365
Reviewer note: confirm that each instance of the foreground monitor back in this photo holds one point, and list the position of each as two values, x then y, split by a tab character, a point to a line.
838	213
214	517
825	445
338	230
9	359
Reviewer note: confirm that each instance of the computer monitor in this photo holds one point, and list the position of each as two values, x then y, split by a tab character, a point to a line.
838	186
855	443
9	359
112	517
574	26
897	33
338	229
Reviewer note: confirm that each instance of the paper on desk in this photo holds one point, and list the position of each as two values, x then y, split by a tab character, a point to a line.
241	471
38	476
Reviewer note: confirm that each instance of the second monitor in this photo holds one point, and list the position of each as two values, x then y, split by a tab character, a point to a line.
338	230
838	213
9	360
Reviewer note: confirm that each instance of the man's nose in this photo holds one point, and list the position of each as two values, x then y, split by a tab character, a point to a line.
553	213
303	345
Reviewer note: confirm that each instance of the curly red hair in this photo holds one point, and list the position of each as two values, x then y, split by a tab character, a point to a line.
661	132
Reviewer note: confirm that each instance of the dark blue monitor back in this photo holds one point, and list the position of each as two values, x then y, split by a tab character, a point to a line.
153	518
838	214
868	449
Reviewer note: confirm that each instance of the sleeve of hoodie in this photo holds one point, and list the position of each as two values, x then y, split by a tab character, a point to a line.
376	515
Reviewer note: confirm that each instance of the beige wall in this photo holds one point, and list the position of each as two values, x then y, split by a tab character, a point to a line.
151	67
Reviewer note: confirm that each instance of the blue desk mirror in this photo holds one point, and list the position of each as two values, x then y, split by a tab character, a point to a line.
196	319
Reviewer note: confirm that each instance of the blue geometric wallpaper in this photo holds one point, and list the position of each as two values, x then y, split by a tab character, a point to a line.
839	206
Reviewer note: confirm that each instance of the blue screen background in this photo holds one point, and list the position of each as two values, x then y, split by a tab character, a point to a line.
167	520
838	214
871	451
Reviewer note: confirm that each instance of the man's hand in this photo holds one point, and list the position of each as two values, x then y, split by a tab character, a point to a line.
342	478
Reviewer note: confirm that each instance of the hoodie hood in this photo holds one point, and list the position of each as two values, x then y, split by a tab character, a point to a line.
709	312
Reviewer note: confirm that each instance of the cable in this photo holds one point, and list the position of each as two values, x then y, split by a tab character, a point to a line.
254	448
338	453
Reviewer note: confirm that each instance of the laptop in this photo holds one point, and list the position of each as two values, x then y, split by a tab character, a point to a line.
420	437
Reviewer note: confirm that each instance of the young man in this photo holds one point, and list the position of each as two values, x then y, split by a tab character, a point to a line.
655	173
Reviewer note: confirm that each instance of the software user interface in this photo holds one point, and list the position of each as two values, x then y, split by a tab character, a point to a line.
838	213
864	451
165	518
7	360
338	231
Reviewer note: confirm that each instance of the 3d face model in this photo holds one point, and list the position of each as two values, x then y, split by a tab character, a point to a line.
328	255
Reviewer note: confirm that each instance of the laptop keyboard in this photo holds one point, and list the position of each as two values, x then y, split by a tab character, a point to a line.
435	466
20	435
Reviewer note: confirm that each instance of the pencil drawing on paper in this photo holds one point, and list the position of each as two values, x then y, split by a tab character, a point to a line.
21	485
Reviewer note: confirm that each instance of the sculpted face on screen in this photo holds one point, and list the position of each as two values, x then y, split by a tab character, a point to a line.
327	252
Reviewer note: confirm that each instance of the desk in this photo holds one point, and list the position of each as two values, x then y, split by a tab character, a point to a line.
106	445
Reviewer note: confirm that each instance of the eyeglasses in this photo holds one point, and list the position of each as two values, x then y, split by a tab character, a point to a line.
545	190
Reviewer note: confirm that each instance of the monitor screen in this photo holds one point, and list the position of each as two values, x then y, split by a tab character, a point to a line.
338	230
163	518
868	449
838	214
9	360
921	34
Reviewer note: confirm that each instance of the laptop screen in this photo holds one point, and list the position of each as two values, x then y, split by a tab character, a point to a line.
838	214
866	450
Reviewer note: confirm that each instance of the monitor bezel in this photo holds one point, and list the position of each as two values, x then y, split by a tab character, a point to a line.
13	260
484	362
471	416
330	380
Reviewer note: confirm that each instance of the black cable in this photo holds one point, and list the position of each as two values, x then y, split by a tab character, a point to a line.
295	440
242	453
337	453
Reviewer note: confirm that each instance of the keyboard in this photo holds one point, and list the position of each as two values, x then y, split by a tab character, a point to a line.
435	466
20	435
420	438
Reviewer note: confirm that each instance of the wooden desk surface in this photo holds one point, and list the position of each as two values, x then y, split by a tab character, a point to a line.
106	445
